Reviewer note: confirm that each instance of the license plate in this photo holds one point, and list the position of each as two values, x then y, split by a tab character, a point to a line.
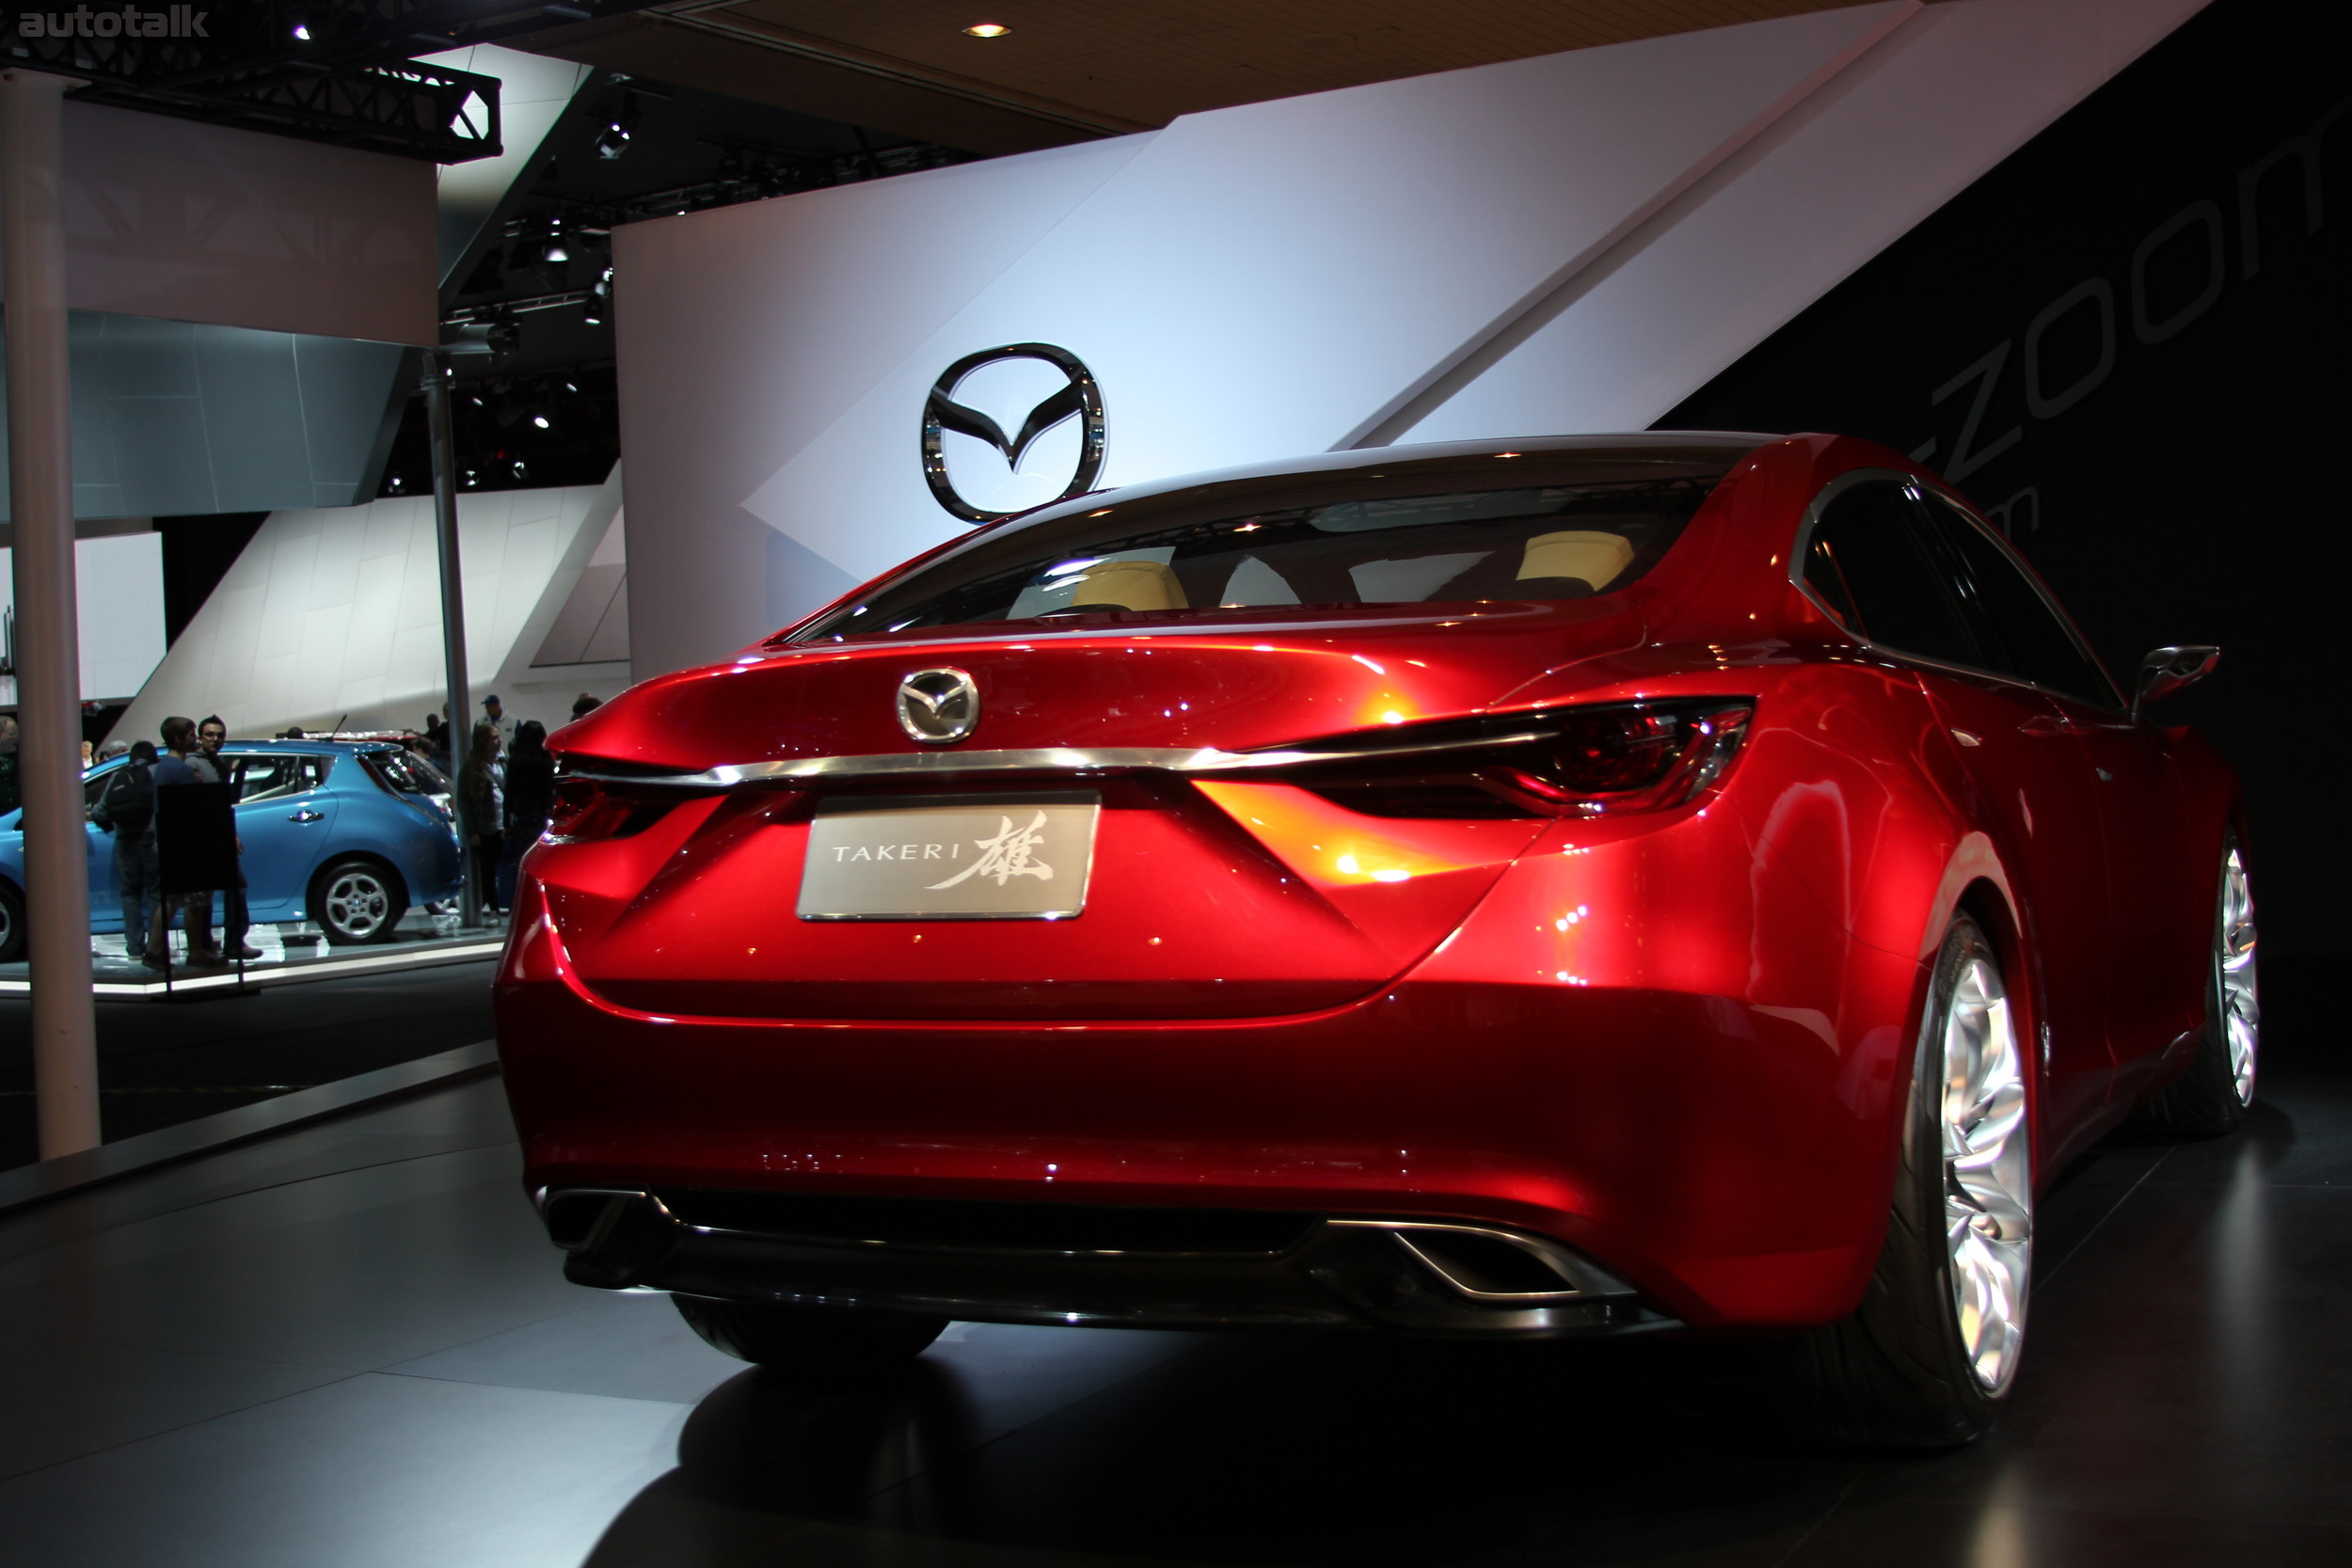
995	858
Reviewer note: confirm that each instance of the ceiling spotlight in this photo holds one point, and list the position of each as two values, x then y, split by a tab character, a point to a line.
988	30
302	32
540	419
619	126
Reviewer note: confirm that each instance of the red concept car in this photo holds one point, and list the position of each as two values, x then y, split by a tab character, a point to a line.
1588	885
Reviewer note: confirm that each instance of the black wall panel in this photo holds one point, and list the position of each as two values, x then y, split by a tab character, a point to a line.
2129	341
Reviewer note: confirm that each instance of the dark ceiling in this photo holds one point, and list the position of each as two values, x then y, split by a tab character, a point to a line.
1065	70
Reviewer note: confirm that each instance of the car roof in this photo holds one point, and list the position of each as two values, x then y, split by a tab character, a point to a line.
299	748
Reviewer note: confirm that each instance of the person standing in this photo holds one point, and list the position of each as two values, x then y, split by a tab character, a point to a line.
483	789
212	733
126	809
493	713
11	794
530	801
584	705
185	765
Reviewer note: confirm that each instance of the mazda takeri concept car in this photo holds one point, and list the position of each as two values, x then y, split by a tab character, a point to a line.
1584	885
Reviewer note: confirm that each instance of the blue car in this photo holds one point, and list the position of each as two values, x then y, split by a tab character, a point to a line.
348	836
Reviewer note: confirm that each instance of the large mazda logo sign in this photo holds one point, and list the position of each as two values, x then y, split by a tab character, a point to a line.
1047	398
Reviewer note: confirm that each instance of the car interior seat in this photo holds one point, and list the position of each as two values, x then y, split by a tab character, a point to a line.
1597	560
1128	585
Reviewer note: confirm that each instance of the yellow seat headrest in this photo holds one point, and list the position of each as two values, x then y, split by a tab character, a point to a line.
1130	585
1599	558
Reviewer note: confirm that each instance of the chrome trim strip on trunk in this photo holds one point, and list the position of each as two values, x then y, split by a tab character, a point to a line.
1050	759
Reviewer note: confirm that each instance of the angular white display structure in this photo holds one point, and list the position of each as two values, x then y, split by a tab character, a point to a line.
335	613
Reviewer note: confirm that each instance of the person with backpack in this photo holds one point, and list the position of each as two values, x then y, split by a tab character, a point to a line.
126	809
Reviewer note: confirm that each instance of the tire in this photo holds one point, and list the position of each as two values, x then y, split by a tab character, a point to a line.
356	901
12	925
834	1347
1928	1359
2213	1095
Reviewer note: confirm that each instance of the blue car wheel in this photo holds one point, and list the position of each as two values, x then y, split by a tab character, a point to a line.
357	900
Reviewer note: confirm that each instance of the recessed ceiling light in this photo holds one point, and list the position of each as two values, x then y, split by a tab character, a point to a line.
988	30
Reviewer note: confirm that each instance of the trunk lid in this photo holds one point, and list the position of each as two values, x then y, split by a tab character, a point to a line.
1202	900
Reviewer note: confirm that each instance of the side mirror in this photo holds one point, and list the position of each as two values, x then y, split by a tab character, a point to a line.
2168	670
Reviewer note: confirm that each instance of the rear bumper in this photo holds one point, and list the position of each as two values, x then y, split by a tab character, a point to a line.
1728	1160
1326	1273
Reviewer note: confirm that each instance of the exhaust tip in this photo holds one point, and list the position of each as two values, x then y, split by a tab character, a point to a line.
1500	1267
1480	1265
578	1219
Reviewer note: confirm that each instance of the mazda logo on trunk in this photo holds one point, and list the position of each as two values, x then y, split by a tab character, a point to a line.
937	706
1078	399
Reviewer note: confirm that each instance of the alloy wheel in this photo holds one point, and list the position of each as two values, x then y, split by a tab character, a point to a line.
356	903
2234	969
1988	1185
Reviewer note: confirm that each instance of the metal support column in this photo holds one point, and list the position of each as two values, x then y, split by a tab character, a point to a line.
48	638
452	620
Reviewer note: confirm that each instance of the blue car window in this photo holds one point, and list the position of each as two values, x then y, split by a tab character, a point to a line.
270	775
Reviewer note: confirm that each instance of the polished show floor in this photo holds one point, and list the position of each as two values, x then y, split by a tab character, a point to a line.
350	1346
164	1063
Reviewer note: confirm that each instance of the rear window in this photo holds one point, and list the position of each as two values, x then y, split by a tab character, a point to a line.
403	772
1558	540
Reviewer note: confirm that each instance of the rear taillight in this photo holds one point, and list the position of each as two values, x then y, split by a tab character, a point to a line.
1636	757
589	809
1592	761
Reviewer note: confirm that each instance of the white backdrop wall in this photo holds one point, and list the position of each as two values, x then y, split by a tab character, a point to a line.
335	612
1570	243
119	590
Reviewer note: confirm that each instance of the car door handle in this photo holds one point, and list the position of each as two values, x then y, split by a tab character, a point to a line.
306	815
